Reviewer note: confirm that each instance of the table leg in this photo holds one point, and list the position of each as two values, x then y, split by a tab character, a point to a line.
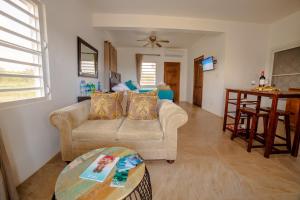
271	128
236	120
296	141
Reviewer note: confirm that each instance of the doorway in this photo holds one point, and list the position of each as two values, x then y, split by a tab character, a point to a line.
198	81
172	77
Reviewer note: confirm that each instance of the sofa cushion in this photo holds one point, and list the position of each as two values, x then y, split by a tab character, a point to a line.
143	108
97	129
131	94
120	99
106	105
140	130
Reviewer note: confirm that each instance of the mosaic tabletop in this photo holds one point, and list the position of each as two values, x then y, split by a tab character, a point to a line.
70	186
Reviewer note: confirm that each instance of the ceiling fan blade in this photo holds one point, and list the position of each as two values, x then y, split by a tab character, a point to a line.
165	41
146	44
144	40
157	44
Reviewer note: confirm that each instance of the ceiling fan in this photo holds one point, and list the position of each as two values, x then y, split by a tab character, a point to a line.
153	41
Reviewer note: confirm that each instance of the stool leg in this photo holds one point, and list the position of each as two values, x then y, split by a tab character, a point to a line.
266	120
248	127
276	124
252	132
236	125
287	132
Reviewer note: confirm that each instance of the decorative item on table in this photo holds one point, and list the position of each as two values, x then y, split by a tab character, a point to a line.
263	84
262	79
86	89
100	168
128	162
99	86
91	88
123	166
82	88
266	89
120	178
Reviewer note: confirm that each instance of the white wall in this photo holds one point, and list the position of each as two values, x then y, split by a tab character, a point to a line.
29	138
213	81
127	64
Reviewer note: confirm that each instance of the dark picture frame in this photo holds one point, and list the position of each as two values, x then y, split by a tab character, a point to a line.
81	70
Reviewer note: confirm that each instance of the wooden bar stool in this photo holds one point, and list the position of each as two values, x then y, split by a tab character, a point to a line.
254	115
287	139
236	99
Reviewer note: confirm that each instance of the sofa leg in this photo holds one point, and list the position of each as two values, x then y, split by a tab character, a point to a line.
170	161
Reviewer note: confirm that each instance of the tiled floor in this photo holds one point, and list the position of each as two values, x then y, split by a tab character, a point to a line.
209	166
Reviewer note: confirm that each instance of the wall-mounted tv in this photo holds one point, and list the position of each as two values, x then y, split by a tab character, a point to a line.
208	63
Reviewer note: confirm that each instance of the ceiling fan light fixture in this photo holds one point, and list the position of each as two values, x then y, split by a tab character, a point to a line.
152	40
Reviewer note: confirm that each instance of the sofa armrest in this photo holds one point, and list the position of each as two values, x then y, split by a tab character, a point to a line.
171	118
65	120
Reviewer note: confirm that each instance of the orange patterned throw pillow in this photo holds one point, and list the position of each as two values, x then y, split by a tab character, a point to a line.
105	106
131	94
119	108
143	108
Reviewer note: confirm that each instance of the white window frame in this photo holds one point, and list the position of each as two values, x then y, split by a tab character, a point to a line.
155	82
272	57
45	63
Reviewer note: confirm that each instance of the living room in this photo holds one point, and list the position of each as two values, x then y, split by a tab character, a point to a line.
241	36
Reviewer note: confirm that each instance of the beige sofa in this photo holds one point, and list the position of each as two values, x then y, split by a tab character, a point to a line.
153	139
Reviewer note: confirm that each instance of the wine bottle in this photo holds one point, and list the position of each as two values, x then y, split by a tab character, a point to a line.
262	79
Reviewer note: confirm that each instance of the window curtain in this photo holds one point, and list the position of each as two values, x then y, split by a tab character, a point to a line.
139	60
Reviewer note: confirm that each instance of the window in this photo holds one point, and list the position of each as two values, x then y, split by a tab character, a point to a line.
286	69
148	74
22	51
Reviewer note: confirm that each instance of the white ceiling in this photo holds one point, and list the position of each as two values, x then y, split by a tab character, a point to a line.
178	39
258	11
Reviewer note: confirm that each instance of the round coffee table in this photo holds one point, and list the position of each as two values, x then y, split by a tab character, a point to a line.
69	186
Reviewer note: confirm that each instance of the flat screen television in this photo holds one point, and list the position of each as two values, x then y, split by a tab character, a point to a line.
208	63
